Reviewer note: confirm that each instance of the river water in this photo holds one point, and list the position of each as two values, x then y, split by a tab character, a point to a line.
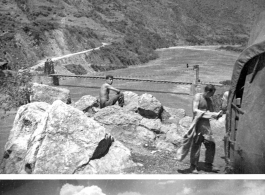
215	66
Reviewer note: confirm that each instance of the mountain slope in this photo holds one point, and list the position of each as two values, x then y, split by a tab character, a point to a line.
33	30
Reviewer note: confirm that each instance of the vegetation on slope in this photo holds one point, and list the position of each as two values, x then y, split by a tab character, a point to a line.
15	89
34	30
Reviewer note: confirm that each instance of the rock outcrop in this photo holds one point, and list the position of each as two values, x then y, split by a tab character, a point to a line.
59	138
149	106
29	117
131	101
172	113
46	93
121	124
64	141
88	104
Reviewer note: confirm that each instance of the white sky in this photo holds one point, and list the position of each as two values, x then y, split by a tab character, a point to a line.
133	187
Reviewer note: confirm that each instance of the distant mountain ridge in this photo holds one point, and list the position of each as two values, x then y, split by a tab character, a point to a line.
33	30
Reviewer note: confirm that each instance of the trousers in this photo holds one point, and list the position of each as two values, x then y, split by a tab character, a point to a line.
113	100
196	147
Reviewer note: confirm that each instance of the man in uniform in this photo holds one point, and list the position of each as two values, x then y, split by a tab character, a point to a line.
202	103
105	100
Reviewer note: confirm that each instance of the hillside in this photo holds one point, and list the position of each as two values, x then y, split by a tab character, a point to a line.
34	30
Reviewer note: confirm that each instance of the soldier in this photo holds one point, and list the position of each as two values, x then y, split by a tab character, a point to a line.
203	103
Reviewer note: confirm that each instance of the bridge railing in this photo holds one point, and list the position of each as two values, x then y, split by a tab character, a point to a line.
193	85
57	76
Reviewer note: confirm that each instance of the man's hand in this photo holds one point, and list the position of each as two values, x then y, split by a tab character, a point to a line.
118	92
220	114
217	115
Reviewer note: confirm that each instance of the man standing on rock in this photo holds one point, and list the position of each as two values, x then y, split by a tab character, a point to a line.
202	103
105	100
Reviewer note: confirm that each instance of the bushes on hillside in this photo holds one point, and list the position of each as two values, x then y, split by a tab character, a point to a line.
126	55
15	89
138	46
76	69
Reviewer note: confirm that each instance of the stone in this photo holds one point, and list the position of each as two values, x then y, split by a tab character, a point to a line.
185	123
165	127
126	125
131	101
151	124
144	134
87	104
163	145
63	141
149	106
48	94
27	120
172	113
174	136
117	159
70	140
115	115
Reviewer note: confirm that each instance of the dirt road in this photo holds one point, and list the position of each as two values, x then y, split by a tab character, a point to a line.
41	62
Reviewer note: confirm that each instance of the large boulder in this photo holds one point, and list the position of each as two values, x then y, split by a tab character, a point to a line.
88	104
46	93
117	159
70	140
130	101
152	124
174	135
149	106
67	141
165	127
144	135
115	115
28	119
125	125
185	123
